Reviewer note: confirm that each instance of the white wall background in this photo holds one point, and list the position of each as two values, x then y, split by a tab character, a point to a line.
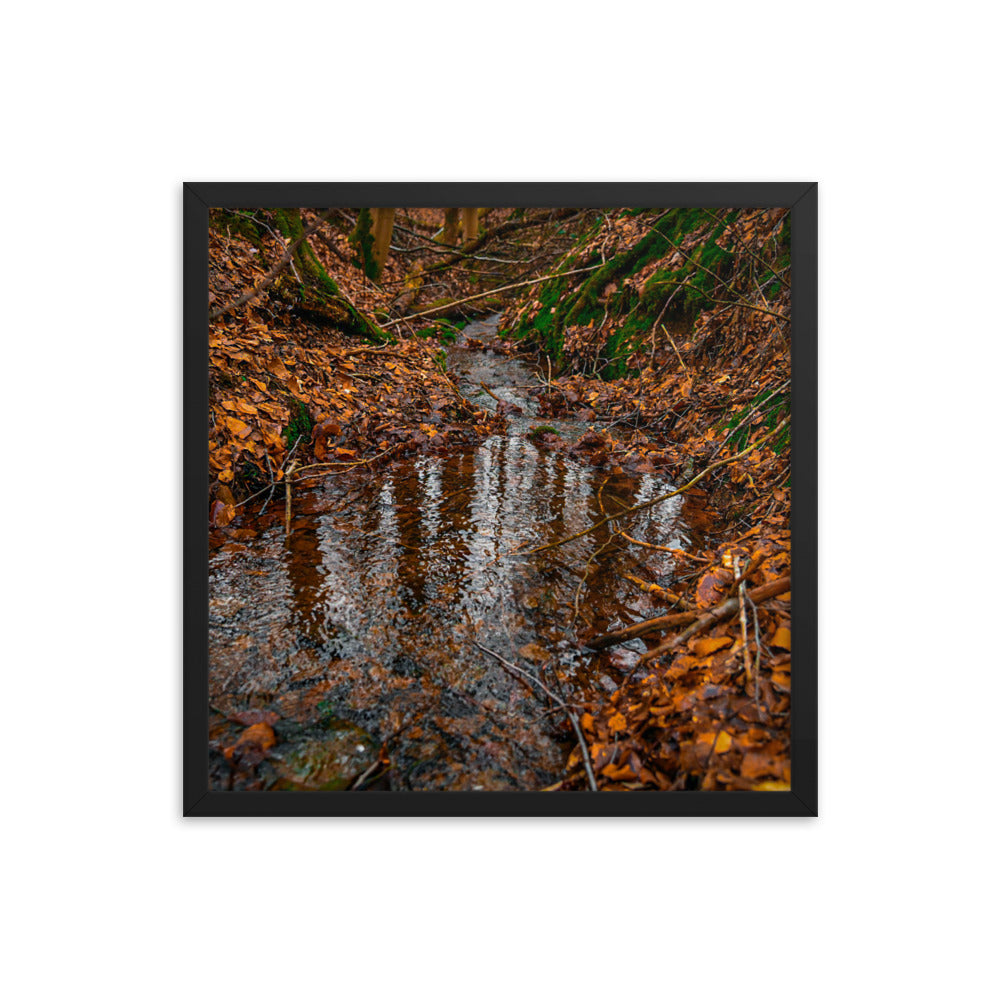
109	107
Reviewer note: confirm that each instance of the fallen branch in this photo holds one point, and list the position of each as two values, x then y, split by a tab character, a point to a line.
724	610
584	749
665	548
761	593
489	392
741	597
342	465
288	499
492	291
490	234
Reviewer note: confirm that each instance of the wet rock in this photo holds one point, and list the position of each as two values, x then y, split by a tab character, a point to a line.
325	760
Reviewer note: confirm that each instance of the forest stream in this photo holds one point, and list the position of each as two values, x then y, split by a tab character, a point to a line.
365	637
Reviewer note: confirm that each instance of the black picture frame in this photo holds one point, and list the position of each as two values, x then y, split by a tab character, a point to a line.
801	199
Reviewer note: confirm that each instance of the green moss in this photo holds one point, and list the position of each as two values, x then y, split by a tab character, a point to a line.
537	432
319	293
235	223
301	423
773	408
695	279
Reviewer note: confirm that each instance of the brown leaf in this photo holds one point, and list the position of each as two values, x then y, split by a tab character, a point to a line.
222	514
714	586
252	744
759	765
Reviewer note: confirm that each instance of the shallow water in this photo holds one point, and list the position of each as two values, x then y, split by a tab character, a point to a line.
369	619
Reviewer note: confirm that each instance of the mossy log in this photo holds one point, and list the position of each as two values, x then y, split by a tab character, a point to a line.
318	292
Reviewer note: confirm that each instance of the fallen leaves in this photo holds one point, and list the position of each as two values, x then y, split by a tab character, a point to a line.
782	638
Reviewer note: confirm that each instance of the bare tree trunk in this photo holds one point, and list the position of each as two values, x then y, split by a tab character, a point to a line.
383	235
450	235
470	224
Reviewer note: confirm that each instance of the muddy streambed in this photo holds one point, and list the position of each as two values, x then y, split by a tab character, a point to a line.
364	628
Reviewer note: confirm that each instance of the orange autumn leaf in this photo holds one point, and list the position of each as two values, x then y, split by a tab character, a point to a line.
618	772
722	742
238	427
703	647
617	723
782	639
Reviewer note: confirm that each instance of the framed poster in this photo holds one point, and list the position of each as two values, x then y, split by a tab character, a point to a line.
490	510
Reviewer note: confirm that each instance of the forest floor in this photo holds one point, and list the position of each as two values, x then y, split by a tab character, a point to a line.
664	334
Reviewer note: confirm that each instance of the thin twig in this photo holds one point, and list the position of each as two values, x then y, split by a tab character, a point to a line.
662	622
343	465
489	392
749	251
749	414
743	621
273	273
270	470
584	749
674	346
664	548
288	500
716	614
666	496
756	661
492	291
729	305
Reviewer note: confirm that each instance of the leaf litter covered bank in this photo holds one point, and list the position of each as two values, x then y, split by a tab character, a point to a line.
667	333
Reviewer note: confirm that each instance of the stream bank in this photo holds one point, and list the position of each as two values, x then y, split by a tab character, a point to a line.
357	646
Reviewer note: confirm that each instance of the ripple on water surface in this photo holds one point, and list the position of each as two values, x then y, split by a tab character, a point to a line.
368	616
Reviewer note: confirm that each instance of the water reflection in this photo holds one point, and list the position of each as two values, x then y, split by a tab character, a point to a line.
371	610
